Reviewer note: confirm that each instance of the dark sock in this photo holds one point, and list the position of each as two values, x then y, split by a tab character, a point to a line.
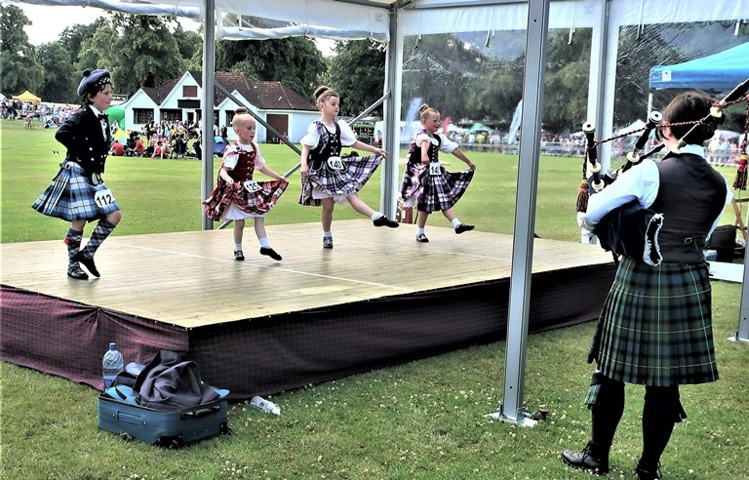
73	242
606	414
100	233
659	414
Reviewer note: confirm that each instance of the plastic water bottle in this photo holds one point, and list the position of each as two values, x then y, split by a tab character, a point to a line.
265	405
112	364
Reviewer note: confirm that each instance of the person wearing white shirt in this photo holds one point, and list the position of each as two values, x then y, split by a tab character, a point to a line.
656	325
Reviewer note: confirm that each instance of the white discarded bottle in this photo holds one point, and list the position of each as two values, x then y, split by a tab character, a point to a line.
112	364
265	405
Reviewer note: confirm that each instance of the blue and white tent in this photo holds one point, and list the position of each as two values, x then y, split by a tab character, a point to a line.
719	72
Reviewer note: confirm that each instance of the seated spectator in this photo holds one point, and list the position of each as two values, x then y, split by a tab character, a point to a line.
118	149
130	145
197	148
139	147
180	146
159	151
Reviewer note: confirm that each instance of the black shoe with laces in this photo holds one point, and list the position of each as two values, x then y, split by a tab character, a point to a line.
421	238
239	255
271	253
384	221
77	273
87	262
327	242
587	459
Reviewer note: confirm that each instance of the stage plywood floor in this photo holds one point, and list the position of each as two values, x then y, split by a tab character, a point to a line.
190	279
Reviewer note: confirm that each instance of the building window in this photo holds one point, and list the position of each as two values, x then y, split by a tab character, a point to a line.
189	91
171	115
142	115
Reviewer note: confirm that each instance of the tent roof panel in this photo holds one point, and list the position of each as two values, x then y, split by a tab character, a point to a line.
719	72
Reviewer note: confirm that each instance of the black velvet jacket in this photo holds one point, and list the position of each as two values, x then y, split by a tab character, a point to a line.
81	134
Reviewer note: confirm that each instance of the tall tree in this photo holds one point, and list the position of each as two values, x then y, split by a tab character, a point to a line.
98	51
566	82
60	87
20	70
188	43
445	72
294	61
147	52
357	73
72	37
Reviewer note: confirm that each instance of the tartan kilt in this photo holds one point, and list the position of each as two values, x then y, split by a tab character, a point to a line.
70	196
434	193
339	183
656	326
254	203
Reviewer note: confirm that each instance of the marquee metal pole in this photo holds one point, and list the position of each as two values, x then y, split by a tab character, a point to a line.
742	334
511	410
206	122
389	181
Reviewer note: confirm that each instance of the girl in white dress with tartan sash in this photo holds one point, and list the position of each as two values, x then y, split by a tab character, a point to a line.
329	178
426	185
237	196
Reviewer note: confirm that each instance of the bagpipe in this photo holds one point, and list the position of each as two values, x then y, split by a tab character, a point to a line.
631	229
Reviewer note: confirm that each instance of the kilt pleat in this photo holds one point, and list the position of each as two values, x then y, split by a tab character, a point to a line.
434	193
339	183
656	326
252	203
70	196
50	197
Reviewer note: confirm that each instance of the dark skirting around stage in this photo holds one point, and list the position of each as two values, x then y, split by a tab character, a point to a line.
364	314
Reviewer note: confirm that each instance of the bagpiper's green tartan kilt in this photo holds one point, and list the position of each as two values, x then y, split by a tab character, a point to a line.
656	326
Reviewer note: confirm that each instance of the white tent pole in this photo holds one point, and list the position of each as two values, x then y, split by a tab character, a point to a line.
388	184
742	334
603	123
525	207
206	122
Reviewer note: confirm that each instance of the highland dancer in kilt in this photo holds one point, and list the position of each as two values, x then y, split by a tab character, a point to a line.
426	185
656	325
78	193
237	195
327	177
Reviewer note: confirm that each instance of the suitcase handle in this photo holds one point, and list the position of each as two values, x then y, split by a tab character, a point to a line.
201	412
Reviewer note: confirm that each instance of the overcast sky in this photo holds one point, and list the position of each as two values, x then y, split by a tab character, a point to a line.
48	22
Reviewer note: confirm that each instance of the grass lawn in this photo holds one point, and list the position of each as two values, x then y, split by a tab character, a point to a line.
422	420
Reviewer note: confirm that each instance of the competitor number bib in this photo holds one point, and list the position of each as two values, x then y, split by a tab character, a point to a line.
335	163
434	169
103	198
252	186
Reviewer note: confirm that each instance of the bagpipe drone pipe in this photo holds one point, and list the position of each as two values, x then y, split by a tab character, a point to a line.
631	229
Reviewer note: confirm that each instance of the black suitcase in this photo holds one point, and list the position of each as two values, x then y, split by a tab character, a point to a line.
169	429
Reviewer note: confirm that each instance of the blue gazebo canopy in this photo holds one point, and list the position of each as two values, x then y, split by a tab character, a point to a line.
719	72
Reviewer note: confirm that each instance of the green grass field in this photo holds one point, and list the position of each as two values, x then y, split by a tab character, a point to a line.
424	420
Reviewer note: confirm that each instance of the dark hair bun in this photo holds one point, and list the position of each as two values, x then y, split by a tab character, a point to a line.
240	110
423	107
321	90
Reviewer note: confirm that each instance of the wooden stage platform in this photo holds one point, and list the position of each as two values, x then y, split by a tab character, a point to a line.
260	326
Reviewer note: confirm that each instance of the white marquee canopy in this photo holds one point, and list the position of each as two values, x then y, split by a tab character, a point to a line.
393	20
